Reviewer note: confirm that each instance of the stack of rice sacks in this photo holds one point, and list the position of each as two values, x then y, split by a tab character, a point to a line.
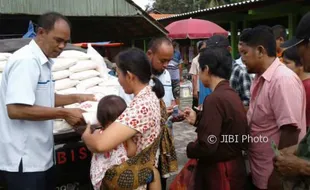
77	72
3	61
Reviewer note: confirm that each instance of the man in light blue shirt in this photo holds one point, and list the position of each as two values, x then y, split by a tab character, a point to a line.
27	108
175	69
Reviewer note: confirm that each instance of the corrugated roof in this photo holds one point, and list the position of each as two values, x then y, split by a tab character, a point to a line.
70	7
211	9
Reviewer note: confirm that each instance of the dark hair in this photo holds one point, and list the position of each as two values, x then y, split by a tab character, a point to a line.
279	31
48	20
109	109
260	36
292	55
200	44
155	43
135	61
174	44
218	60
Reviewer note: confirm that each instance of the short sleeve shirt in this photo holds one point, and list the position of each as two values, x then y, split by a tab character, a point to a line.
143	115
277	98
165	79
173	66
194	70
27	80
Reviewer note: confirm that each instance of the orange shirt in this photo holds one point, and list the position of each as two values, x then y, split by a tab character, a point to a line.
280	56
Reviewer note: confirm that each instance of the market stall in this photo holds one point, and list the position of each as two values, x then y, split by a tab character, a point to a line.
75	70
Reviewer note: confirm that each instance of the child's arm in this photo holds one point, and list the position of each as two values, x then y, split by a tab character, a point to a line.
131	148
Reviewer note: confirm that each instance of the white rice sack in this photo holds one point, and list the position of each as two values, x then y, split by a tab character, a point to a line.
85	84
62	64
76	105
61	74
0	78
65	84
2	65
67	91
109	83
61	126
96	57
95	89
5	56
84	75
83	66
91	118
74	54
89	106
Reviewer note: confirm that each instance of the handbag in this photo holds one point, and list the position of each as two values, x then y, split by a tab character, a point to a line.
133	173
185	180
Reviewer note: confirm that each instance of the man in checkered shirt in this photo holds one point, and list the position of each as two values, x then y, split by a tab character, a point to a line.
240	79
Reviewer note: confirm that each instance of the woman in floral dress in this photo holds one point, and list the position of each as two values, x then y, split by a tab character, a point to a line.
141	119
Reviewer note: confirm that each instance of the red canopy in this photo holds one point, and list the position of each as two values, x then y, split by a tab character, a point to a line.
194	29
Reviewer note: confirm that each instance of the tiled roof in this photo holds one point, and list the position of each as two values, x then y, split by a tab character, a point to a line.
159	16
211	9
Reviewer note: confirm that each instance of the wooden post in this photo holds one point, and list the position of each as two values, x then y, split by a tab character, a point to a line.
292	23
244	24
233	38
144	45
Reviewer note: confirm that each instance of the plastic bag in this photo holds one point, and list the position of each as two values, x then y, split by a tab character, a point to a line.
61	74
84	65
96	57
62	64
84	75
65	84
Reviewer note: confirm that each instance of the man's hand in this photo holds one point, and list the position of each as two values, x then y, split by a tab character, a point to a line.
195	94
169	110
85	97
288	165
190	115
74	117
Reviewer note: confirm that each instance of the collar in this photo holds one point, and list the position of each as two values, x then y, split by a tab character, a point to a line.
222	83
37	50
268	74
145	90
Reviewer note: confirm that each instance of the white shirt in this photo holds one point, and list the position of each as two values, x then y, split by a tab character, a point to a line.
165	79
194	70
27	80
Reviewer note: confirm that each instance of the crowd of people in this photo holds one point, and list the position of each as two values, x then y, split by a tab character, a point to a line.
255	110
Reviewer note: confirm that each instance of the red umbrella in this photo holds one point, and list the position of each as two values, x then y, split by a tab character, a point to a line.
194	29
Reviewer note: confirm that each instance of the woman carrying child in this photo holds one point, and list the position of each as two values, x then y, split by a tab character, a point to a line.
141	120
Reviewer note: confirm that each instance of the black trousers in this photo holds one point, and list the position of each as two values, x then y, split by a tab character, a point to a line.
29	180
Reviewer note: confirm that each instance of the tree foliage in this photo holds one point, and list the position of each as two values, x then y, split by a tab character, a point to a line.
181	6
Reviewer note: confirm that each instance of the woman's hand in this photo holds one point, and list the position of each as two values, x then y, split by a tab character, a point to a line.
190	115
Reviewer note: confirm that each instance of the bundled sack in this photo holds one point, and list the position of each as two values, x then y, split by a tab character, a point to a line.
2	65
65	84
74	54
84	65
84	75
62	64
61	74
61	126
85	84
67	91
